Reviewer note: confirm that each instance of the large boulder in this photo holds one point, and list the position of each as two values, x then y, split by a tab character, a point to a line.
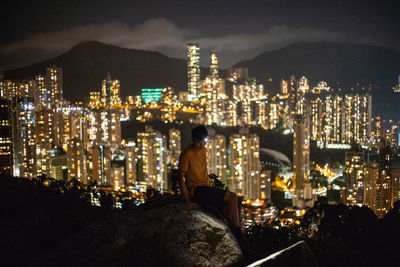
160	233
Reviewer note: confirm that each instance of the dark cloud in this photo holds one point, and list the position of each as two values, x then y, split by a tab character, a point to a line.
160	34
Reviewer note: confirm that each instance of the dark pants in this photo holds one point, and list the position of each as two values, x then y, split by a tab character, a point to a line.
209	196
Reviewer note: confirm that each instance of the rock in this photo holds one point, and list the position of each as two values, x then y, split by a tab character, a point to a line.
299	255
161	233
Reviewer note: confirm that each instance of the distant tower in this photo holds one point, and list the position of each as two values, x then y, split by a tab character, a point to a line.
396	89
193	70
53	81
213	65
301	162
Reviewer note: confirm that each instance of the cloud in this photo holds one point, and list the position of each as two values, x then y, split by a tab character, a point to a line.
160	34
276	36
150	35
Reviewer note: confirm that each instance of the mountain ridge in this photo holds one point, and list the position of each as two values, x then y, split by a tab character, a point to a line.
341	65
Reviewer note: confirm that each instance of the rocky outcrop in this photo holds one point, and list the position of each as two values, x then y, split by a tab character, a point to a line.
160	233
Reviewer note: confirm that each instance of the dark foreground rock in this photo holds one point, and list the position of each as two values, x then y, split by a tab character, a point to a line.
299	255
160	233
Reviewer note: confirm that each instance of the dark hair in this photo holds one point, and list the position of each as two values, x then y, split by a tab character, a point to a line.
199	133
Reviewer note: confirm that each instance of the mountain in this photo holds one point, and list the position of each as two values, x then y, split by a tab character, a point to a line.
87	63
341	65
347	64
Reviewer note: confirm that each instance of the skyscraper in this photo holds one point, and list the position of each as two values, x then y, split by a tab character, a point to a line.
355	175
301	162
23	136
216	155
6	160
152	153
110	92
193	71
245	164
53	81
76	160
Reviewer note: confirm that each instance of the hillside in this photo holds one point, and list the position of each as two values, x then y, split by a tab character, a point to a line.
87	63
341	65
331	62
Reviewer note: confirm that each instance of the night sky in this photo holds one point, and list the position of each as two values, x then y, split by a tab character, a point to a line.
237	30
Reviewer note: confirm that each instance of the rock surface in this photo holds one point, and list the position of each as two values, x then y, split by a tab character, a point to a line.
161	233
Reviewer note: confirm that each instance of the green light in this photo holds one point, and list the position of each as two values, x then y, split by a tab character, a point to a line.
151	94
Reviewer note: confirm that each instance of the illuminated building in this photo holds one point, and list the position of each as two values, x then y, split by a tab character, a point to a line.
340	120
76	160
58	164
118	169
174	147
53	81
245	164
6	160
130	156
303	85
354	176
301	162
212	92
248	91
45	134
105	126
321	87
371	177
265	185
396	89
110	92
152	154
387	186
193	71
74	124
100	163
231	113
239	74
11	89
42	96
170	105
273	115
357	118
213	65
216	155
95	99
284	87
23	136
378	129
152	94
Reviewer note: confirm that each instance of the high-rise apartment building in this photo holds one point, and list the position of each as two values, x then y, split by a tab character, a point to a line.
110	92
245	164
130	155
76	160
370	187
23	136
53	81
174	146
301	162
6	160
355	176
216	155
193	71
152	155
